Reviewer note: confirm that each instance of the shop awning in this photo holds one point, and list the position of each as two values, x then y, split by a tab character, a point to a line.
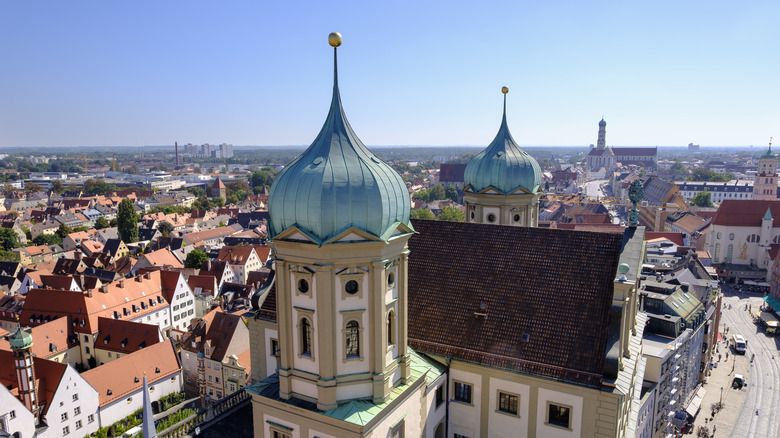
773	303
695	404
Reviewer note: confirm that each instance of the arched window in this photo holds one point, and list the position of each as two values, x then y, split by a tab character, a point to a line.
729	253
305	337
717	252
390	330
753	238
353	339
776	239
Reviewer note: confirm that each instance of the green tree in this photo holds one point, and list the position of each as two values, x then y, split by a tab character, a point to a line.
133	169
8	239
197	191
195	259
63	231
437	192
99	187
423	195
451	214
165	228
32	187
422	213
702	199
127	221
708	175
261	178
9	256
101	223
112	223
678	167
57	187
451	193
47	239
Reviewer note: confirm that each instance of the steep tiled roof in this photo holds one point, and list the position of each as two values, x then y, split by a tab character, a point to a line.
218	184
161	258
57	281
217	329
126	299
124	376
215	268
125	336
235	255
48	339
199	237
206	283
554	286
747	213
674	237
48	374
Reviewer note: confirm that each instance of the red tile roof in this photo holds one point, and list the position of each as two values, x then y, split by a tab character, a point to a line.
674	237
127	299
162	258
121	378
235	255
746	213
49	339
125	336
48	374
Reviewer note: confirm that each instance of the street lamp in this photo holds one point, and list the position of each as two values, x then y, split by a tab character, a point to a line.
721	396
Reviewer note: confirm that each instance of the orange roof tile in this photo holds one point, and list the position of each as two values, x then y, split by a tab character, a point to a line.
124	376
125	336
49	339
161	258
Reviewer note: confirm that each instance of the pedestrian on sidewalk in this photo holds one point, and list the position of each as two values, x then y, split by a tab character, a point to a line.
727	356
719	356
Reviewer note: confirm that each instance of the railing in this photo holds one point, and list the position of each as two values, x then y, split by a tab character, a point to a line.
206	416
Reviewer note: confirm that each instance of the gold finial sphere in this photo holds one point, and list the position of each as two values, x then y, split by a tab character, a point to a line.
334	39
505	90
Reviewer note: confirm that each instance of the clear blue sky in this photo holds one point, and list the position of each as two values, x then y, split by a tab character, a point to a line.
122	73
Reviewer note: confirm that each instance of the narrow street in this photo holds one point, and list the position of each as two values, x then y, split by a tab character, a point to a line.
758	416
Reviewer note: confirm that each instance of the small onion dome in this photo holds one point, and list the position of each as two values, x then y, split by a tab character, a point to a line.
503	165
21	340
338	184
602	122
768	153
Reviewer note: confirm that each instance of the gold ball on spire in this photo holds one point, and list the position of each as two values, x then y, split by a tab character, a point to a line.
334	39
505	90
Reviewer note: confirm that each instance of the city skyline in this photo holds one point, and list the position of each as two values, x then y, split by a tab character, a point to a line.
96	74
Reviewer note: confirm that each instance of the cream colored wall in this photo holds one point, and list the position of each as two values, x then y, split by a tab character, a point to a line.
465	418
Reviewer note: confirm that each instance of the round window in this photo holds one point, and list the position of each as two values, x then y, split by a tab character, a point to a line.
720	236
731	236
517	218
472	215
351	287
303	286
390	279
491	218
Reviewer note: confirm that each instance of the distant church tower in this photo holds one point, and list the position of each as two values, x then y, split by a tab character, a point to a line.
21	344
765	183
339	226
602	141
503	183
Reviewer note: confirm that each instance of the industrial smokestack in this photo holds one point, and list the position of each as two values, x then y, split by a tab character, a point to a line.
176	145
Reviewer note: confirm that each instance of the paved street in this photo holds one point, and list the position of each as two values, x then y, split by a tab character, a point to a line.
738	417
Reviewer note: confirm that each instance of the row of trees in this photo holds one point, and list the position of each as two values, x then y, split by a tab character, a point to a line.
436	193
452	214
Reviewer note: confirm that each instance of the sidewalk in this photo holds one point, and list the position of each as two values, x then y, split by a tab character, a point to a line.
719	384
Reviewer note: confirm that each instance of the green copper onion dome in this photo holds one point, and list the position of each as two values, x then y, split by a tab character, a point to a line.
21	340
503	165
337	184
768	153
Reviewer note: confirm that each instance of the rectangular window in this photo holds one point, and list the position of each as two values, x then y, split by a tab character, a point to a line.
463	392
64	416
439	395
507	403
78	424
398	430
274	347
77	410
75	397
65	430
558	415
90	418
12	414
277	434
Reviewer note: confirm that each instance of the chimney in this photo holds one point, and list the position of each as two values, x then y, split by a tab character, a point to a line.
104	288
122	283
89	293
148	275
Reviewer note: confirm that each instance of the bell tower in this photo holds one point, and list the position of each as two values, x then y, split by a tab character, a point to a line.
21	345
503	182
339	228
